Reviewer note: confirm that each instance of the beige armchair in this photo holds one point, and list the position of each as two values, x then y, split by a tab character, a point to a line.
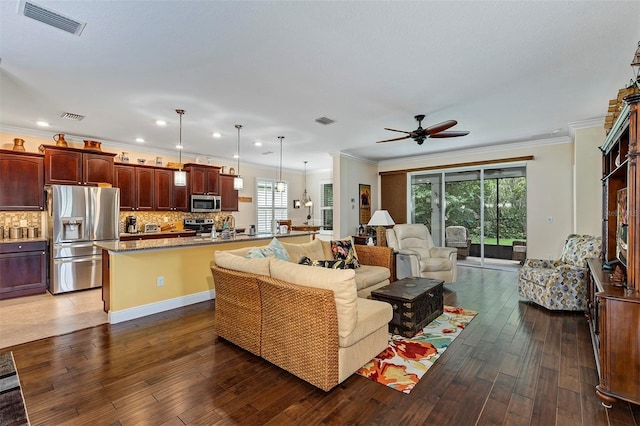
418	256
458	237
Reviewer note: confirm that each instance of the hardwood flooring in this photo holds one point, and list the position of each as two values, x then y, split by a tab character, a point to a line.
515	364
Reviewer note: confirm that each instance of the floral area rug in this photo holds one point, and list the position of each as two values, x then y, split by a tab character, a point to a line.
405	361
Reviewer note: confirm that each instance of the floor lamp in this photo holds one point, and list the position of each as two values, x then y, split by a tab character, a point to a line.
380	219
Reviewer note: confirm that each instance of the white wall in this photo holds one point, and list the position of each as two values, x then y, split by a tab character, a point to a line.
549	187
588	184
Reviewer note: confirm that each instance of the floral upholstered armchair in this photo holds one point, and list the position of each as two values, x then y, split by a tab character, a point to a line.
561	284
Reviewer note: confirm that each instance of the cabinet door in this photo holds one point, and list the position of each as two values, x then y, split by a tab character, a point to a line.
21	182
145	188
181	197
228	195
125	179
24	272
163	193
213	179
198	180
97	168
62	167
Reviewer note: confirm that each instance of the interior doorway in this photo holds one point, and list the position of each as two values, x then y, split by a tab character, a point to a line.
490	202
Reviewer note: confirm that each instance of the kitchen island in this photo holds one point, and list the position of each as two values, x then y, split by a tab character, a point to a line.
144	277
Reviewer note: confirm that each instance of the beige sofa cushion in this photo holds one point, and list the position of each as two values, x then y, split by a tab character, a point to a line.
372	315
233	259
368	275
340	281
312	250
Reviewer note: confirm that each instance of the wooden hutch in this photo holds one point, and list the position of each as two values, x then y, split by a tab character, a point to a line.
613	306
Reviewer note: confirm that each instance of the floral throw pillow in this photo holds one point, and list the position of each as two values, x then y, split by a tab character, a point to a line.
343	250
331	264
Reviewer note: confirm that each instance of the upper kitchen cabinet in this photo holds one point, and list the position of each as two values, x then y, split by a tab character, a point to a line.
228	195
203	179
167	195
21	181
137	185
72	166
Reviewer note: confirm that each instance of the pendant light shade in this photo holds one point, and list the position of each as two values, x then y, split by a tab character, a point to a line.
180	176
306	200
238	183
280	183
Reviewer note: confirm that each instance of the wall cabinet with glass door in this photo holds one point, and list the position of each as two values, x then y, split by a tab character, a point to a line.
21	181
72	166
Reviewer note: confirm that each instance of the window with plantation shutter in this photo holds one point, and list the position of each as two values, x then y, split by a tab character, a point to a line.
271	205
326	206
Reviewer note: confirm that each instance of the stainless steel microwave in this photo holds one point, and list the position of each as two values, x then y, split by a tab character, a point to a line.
204	203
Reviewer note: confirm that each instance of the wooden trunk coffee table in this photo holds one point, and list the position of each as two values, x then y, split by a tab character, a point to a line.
415	301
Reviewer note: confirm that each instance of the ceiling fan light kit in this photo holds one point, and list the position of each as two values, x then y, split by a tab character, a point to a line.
436	131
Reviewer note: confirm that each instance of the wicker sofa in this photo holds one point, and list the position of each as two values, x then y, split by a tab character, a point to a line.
305	319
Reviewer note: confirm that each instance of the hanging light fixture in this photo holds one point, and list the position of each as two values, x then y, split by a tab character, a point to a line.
306	200
180	176
280	184
238	183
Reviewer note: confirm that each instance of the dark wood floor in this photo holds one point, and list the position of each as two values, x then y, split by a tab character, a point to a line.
515	364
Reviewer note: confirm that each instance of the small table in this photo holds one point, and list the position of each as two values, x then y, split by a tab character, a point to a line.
415	302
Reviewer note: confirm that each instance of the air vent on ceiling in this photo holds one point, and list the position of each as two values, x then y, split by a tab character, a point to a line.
324	120
72	116
49	17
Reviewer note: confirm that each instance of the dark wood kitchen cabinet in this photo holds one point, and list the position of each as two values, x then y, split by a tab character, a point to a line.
203	179
137	187
21	181
23	268
73	166
228	195
167	195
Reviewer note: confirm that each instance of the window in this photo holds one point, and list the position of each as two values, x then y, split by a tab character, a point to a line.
271	205
326	206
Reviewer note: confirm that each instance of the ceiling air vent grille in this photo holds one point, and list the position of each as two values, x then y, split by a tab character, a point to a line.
50	17
72	116
324	120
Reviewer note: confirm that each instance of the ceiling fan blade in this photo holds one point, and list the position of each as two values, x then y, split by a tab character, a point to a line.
437	128
394	130
395	139
452	134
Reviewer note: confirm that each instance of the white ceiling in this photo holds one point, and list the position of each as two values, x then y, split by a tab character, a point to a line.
506	71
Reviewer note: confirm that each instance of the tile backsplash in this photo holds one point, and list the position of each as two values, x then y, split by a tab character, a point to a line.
163	218
33	219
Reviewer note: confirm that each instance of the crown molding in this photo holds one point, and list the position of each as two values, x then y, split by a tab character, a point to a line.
585	124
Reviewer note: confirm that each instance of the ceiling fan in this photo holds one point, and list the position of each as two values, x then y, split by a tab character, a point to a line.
435	131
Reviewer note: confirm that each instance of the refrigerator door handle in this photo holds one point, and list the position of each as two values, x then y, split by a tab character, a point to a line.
78	259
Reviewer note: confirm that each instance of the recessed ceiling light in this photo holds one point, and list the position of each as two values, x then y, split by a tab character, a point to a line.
257	143
139	140
161	122
216	135
42	123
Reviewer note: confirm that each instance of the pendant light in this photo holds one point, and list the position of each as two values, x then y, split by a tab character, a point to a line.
306	200
238	183
280	184
180	176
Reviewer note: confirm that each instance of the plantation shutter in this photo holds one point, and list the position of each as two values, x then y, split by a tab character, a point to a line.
270	205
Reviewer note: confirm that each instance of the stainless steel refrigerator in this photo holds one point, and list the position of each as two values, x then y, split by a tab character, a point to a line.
77	217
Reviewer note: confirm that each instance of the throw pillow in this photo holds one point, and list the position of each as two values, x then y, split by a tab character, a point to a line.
343	250
331	264
274	249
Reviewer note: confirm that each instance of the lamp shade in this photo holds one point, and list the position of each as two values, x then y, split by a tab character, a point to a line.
238	183
381	218
180	178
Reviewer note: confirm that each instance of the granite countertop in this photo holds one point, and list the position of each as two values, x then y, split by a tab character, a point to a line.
140	234
22	240
163	243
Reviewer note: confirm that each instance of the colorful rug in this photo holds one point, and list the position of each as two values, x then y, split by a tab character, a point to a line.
12	408
405	361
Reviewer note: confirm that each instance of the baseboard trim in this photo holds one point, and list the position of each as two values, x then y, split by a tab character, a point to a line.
115	317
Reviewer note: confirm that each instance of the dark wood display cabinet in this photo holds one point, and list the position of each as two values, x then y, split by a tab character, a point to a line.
21	181
228	195
23	268
613	305
203	179
73	166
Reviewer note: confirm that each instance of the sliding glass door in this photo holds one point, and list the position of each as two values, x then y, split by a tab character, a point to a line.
489	202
